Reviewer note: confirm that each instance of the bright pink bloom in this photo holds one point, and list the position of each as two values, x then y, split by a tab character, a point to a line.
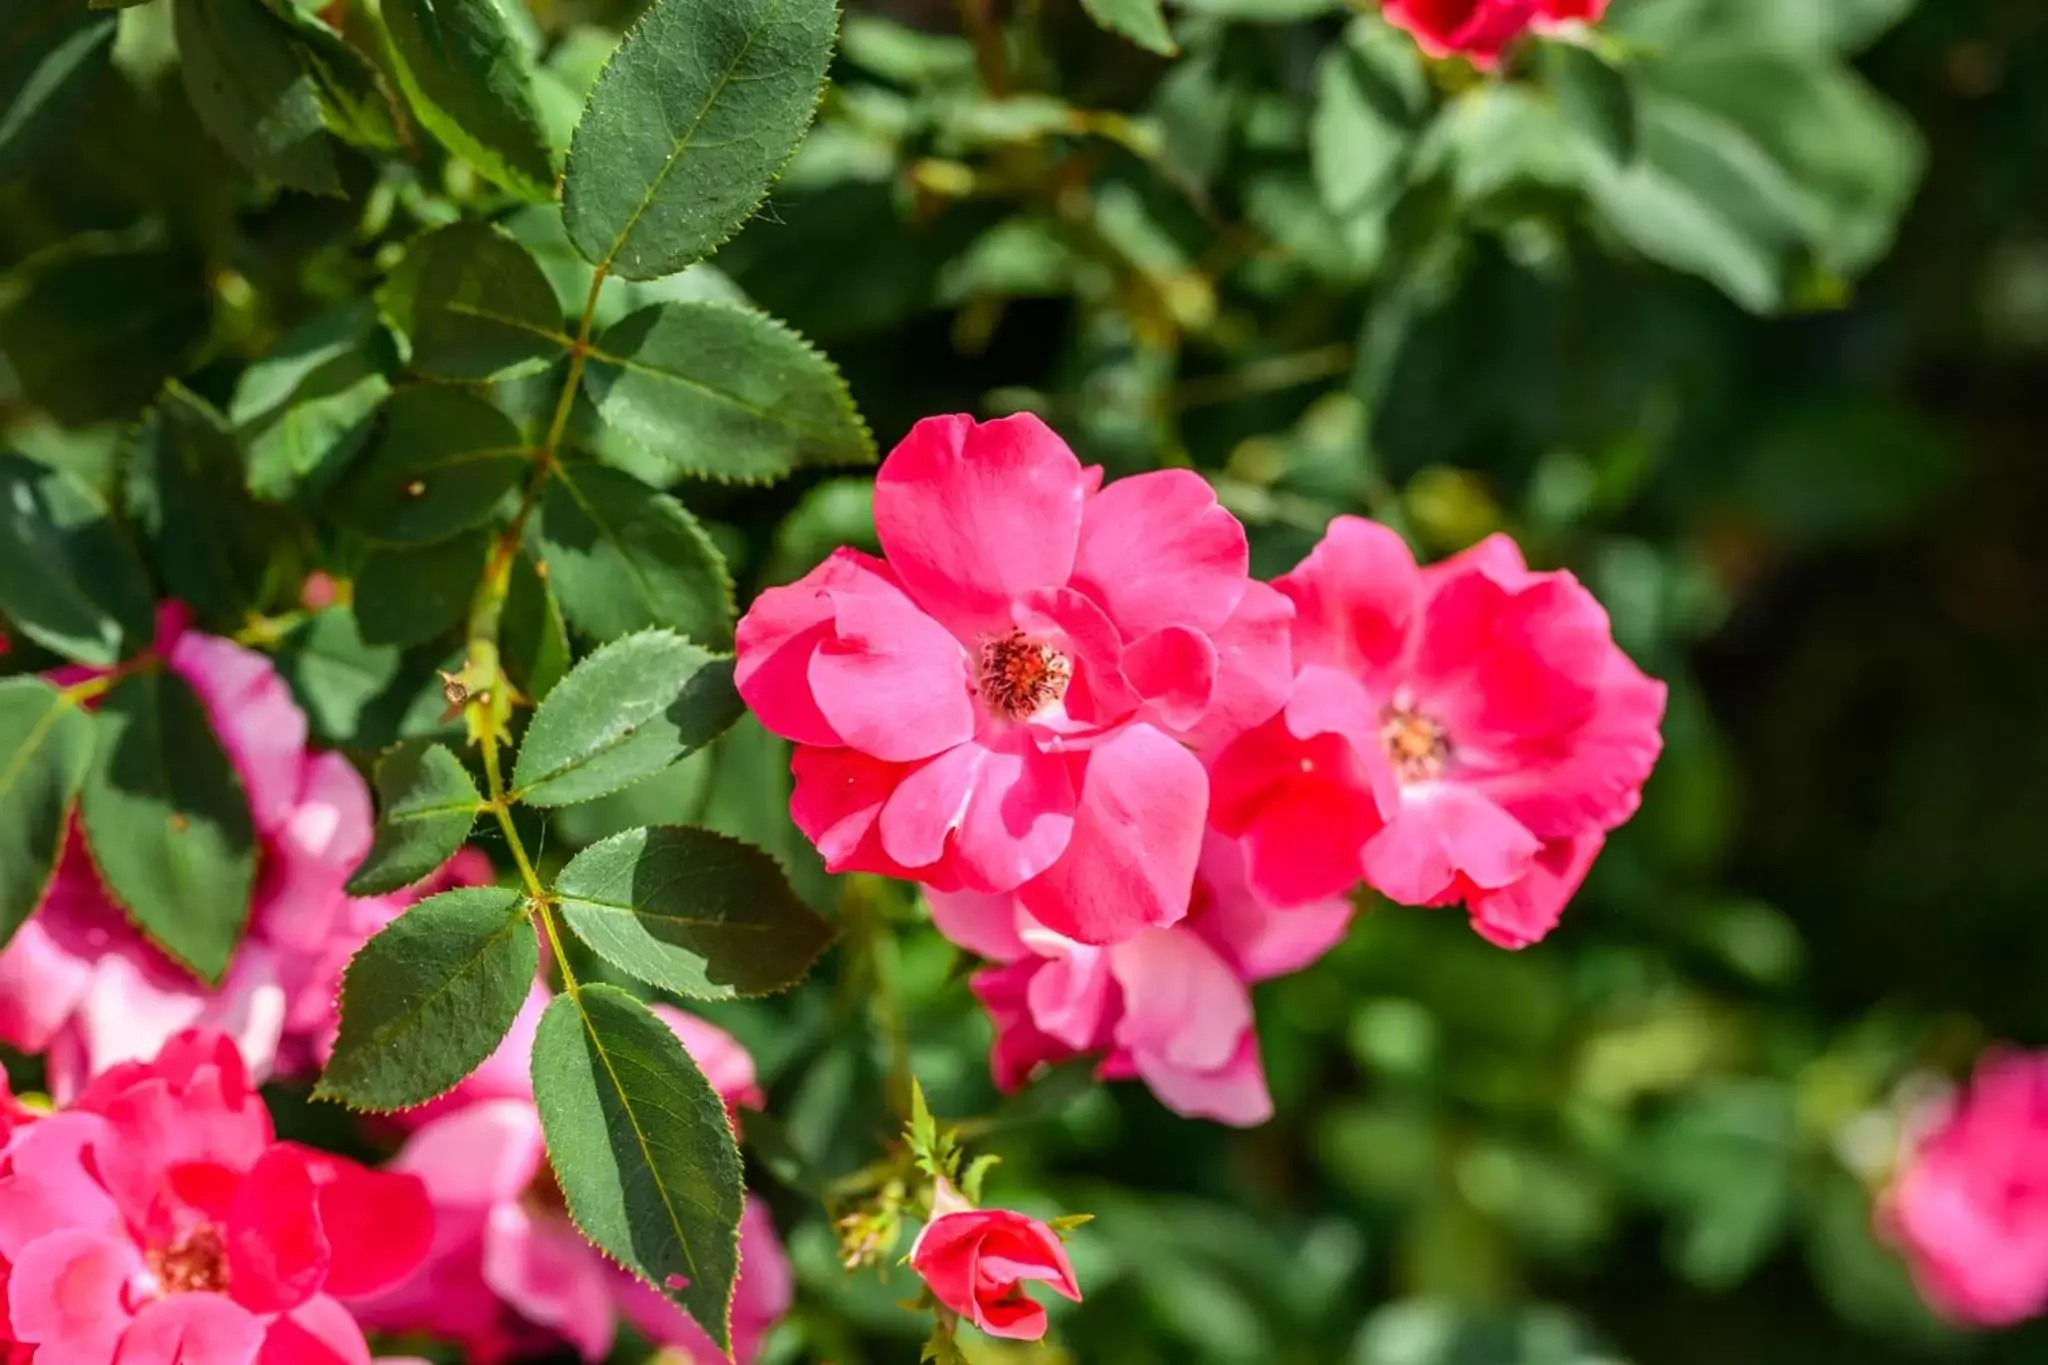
1478	30
508	1273
1169	1007
978	1261
1557	13
79	982
158	1221
1001	705
1465	732
1969	1208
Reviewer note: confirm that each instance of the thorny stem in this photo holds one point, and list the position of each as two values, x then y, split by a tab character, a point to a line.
536	894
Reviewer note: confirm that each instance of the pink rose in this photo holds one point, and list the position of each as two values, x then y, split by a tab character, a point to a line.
1169	1007
1001	705
158	1220
977	1262
1477	30
80	983
1969	1207
508	1274
1465	732
1558	13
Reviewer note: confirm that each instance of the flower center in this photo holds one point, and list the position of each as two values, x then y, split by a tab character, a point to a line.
1020	676
197	1263
1416	745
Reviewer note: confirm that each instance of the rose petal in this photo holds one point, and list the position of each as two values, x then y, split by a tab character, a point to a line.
1445	831
195	1329
278	1255
1158	550
891	680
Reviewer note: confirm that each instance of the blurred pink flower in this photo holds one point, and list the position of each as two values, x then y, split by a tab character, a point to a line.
1000	704
1552	14
1463	732
1969	1207
1169	1007
1478	30
508	1274
977	1262
79	982
158	1221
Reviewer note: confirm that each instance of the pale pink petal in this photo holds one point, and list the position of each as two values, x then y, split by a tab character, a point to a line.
47	967
48	1182
254	715
1254	666
783	629
318	1332
891	680
299	897
1019	814
68	1294
1157	550
484	1153
193	1329
1174	670
1071	996
1021	1047
1181	1002
1445	831
1259	940
1233	1093
728	1066
544	1269
981	923
974	514
1355	597
1130	864
929	804
1522	912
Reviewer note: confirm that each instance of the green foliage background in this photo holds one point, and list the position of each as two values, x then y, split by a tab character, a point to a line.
1648	316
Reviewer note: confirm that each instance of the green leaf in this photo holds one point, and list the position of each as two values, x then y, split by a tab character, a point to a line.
470	80
1142	21
45	748
642	1148
533	639
167	821
440	462
54	57
406	595
474	303
622	557
690	911
1370	96
426	803
334	673
68	577
354	102
304	409
724	393
429	998
1596	99
628	711
212	542
247	76
689	122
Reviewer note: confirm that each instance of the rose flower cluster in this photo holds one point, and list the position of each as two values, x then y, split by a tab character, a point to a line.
1138	780
1482	30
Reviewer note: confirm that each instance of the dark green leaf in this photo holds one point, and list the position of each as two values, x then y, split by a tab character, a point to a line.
689	122
724	393
406	595
429	998
533	640
642	1148
168	823
426	803
1595	98
211	541
1139	20
68	577
690	911
470	80
354	102
45	748
474	303
334	673
246	73
622	557
304	409
440	462
628	711
52	57
1370	94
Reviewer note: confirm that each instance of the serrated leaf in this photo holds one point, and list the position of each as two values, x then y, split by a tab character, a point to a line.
1595	98
354	102
334	673
54	56
689	122
440	462
622	557
724	392
690	911
68	577
1141	21
246	77
642	1148
45	749
426	803
474	303
212	543
167	821
470	80
304	409
409	594
533	639
626	712
429	998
